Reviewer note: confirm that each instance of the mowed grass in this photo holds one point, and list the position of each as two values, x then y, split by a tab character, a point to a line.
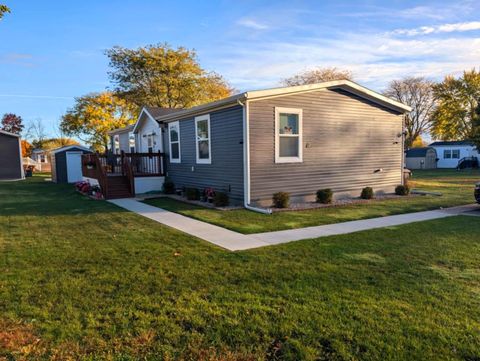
82	279
456	188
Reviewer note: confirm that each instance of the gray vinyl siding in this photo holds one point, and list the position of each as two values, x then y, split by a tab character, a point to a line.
10	157
123	140
225	173
345	139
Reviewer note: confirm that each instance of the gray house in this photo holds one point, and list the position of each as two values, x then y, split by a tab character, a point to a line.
336	135
11	167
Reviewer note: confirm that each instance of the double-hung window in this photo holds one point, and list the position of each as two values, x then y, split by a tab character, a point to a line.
150	143
288	135
131	142
456	153
116	144
174	136
203	139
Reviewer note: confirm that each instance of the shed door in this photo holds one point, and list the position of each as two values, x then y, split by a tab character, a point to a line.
74	167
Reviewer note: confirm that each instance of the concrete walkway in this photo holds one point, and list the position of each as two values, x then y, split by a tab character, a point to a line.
222	237
235	241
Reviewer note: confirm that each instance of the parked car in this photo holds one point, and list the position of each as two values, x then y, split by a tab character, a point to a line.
477	192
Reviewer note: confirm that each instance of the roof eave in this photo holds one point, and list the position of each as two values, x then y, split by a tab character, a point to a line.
232	100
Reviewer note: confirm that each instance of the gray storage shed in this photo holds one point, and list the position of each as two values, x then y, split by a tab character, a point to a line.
11	167
67	163
421	158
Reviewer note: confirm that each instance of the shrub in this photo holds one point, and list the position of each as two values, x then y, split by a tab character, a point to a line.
281	199
168	187
367	193
402	190
324	196
220	199
192	194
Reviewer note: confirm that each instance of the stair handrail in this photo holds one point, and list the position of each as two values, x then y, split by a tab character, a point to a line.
128	172
471	158
101	175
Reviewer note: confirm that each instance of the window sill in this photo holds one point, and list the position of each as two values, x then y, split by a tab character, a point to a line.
204	161
289	160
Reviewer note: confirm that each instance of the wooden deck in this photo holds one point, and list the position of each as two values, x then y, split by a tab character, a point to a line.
116	173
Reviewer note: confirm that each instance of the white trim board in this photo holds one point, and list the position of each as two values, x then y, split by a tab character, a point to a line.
198	159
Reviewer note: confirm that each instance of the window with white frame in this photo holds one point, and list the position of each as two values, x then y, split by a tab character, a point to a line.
202	138
174	136
447	154
288	135
456	153
150	143
116	144
451	154
131	142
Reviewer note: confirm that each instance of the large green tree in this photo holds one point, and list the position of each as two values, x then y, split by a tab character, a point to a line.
3	10
159	75
94	115
417	92
457	102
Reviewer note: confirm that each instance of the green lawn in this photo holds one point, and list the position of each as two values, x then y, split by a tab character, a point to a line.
456	187
83	279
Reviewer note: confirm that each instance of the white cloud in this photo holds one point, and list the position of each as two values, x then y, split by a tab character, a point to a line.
375	59
252	24
444	28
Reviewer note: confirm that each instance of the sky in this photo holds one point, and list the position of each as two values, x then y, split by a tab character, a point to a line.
52	51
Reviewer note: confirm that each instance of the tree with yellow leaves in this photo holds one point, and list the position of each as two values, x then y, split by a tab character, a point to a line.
162	76
455	117
94	115
3	10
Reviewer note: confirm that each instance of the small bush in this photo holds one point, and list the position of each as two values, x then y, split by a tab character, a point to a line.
281	199
402	190
324	196
367	193
192	194
168	187
220	199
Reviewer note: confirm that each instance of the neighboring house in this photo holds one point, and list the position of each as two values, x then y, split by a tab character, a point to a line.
122	139
421	158
42	157
451	152
11	167
299	139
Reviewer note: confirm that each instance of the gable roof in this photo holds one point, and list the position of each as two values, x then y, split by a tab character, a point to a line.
158	112
452	142
61	149
10	134
418	152
153	113
128	128
346	85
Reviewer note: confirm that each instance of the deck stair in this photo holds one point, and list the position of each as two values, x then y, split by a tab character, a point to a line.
118	187
467	162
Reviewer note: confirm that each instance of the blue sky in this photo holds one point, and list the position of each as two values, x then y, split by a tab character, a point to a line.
52	51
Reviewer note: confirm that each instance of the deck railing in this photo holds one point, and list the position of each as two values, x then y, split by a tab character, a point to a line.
141	164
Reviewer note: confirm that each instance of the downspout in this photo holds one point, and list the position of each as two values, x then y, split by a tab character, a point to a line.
246	163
